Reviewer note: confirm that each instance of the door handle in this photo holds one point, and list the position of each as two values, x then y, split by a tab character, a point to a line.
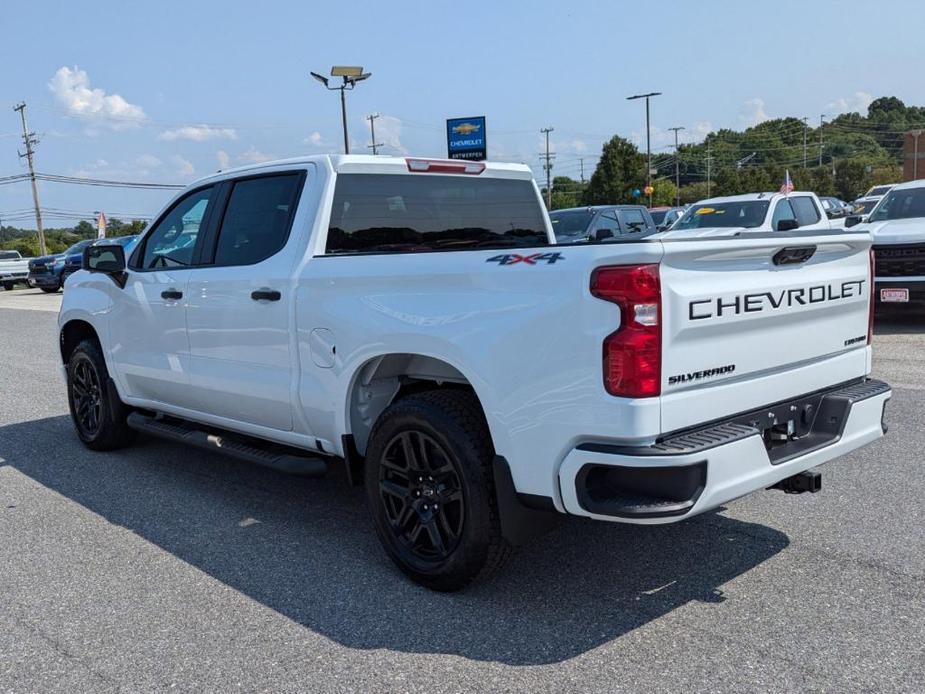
266	295
172	294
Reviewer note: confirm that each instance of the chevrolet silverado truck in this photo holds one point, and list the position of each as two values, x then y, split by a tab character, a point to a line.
14	269
897	225
752	213
413	322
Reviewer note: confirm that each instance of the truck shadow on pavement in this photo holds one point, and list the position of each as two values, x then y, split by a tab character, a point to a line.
306	549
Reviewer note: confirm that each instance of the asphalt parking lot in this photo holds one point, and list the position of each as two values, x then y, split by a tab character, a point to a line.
157	567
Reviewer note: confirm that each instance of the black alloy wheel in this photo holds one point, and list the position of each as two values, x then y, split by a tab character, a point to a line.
422	496
87	398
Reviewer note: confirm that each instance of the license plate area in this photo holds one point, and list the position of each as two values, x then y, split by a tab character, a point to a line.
894	295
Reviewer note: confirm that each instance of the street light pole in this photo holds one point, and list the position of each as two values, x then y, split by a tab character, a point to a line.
648	138
350	75
677	168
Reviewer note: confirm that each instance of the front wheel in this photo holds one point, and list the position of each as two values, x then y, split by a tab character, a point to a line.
50	290
98	415
431	491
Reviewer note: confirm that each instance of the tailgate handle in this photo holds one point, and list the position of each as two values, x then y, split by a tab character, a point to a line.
793	255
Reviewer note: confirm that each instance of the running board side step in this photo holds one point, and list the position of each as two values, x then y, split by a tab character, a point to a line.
281	458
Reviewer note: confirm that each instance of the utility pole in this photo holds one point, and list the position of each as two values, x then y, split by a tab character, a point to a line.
821	123
581	167
548	167
648	138
31	140
915	153
677	168
372	131
805	125
709	162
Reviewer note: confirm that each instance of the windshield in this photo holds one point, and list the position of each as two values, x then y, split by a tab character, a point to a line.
78	247
658	216
567	223
743	213
9	255
901	204
864	206
878	190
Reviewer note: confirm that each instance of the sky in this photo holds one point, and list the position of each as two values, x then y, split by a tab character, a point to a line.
170	91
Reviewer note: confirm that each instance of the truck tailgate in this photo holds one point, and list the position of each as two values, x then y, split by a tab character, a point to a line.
752	321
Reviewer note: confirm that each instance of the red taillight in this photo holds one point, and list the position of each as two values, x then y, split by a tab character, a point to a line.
632	354
873	297
472	168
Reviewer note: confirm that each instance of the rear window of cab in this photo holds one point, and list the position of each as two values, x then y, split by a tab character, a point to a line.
397	213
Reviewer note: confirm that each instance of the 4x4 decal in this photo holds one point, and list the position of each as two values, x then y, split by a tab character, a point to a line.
514	258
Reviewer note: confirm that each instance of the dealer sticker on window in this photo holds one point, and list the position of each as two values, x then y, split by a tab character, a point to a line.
895	295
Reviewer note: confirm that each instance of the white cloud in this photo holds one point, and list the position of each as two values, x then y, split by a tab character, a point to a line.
388	133
315	139
857	102
753	112
198	133
184	167
254	156
71	88
147	161
223	159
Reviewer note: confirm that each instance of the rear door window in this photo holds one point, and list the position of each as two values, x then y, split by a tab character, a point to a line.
257	219
395	213
633	220
805	210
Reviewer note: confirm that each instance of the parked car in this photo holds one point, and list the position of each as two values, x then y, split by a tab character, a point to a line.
752	213
48	272
897	225
865	205
413	321
601	223
14	269
878	191
835	208
664	217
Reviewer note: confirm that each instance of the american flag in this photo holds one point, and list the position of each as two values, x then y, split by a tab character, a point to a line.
787	188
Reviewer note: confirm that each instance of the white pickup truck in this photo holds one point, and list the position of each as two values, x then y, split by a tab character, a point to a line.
752	213
413	321
14	269
897	225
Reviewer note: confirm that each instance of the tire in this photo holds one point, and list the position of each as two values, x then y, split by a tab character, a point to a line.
50	290
453	494
98	415
8	286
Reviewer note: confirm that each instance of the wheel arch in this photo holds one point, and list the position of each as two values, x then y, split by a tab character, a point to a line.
383	379
72	333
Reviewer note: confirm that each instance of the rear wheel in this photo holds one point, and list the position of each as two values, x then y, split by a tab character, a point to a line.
8	286
98	415
50	290
431	492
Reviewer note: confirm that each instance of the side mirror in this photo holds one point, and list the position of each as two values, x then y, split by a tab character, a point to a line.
601	234
852	220
106	259
787	225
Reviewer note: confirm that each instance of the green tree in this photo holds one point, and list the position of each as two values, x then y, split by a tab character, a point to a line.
566	192
621	169
664	194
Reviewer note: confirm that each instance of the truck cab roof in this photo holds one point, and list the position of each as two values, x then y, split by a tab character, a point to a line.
369	163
